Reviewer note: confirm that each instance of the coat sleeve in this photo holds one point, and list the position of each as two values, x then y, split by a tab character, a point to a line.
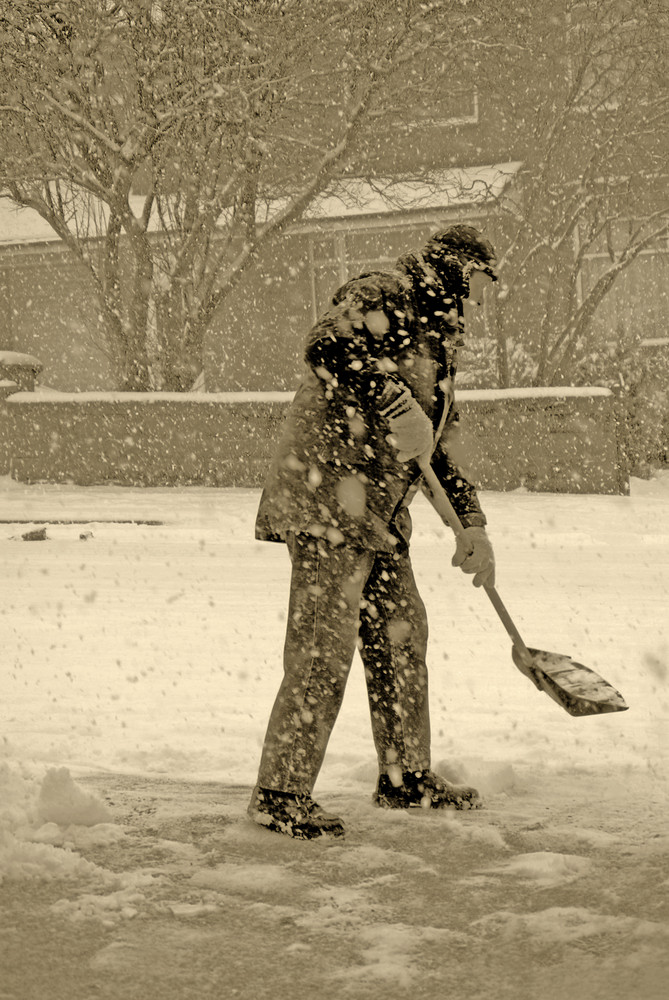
459	489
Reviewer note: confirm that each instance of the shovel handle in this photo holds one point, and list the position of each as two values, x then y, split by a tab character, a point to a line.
443	506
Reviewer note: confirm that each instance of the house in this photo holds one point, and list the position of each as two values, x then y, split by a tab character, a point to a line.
48	306
472	154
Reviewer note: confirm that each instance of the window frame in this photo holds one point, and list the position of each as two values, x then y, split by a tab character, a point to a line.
585	104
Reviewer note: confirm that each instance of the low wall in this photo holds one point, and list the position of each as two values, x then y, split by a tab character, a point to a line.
557	440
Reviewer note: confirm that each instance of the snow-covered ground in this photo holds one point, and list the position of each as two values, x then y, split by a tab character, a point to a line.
140	661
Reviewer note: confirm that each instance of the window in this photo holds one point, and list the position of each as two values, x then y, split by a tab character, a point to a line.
337	256
436	95
458	108
638	302
618	233
606	54
341	254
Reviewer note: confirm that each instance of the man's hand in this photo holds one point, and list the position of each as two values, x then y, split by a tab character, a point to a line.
411	430
474	554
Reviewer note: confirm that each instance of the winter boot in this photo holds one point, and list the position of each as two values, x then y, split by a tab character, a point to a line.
295	815
425	789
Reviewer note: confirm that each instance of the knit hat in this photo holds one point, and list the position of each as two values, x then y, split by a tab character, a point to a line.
465	243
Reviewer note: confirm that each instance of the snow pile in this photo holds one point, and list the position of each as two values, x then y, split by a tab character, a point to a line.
64	802
258	878
545	867
201	909
372	857
569	924
109	908
42	825
489	777
389	953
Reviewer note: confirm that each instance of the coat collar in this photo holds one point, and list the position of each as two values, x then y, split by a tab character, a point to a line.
445	281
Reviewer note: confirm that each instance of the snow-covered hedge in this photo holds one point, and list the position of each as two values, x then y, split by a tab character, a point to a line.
555	439
561	440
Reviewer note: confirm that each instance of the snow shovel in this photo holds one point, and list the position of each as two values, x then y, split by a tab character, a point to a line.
576	688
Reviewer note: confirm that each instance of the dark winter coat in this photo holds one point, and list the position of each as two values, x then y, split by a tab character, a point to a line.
334	474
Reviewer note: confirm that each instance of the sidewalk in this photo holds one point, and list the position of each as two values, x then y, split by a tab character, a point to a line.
194	505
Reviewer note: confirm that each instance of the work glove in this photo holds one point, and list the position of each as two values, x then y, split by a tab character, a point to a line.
411	430
474	554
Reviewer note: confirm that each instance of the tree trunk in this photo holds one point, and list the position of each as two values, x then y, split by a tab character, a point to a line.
497	325
135	370
136	360
179	343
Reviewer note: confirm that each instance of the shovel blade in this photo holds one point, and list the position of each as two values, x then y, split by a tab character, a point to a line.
575	687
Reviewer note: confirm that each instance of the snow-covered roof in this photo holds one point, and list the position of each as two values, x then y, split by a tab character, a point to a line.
355	196
348	197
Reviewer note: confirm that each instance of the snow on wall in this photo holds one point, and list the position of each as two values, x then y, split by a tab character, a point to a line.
538	392
466	395
344	198
147	398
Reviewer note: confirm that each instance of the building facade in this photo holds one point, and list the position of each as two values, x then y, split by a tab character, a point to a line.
510	149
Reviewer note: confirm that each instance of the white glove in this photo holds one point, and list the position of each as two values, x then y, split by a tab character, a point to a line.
411	430
474	554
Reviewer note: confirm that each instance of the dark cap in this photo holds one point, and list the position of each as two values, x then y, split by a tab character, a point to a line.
467	244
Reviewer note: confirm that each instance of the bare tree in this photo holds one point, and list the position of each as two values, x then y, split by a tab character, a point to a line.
593	104
167	142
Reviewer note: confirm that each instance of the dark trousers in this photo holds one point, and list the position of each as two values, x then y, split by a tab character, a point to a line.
342	598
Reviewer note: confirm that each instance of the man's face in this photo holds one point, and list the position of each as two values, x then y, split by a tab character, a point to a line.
478	282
